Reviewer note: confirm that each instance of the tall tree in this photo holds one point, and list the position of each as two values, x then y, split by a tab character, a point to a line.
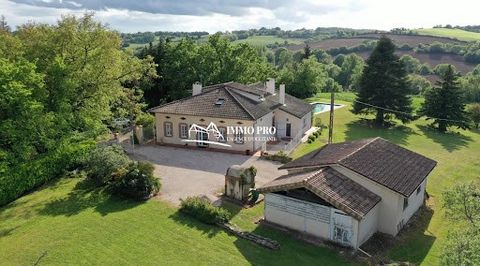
383	88
445	103
307	52
304	79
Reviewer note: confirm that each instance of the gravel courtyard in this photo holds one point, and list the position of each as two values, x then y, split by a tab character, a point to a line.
185	172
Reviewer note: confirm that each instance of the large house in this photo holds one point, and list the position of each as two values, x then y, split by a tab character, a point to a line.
345	192
232	117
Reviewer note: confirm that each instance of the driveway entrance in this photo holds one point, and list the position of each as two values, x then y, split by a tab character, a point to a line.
186	172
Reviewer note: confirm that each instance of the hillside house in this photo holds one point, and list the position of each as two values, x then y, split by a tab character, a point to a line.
219	117
345	192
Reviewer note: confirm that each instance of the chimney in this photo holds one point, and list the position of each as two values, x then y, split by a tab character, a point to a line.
196	88
270	86
281	96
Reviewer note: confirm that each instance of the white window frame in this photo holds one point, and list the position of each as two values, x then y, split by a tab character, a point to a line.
224	133
238	137
183	130
169	132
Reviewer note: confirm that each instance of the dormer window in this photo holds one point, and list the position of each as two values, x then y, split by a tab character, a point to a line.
220	101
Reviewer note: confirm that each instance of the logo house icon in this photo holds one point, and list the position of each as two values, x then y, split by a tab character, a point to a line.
201	135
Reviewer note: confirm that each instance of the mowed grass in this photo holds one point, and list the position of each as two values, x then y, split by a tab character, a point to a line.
69	223
261	41
457	154
458	34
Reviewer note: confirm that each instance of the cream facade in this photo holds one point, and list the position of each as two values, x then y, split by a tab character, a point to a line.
231	107
354	189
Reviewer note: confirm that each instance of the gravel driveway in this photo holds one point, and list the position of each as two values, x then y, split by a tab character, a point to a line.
187	172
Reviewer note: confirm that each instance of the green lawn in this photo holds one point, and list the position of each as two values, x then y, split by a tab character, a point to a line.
458	34
264	40
67	223
457	154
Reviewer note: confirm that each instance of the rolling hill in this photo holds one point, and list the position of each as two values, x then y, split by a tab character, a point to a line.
458	34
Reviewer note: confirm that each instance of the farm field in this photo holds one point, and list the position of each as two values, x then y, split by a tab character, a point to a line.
451	33
435	59
265	40
455	152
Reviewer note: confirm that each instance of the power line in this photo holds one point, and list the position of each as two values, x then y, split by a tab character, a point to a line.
407	114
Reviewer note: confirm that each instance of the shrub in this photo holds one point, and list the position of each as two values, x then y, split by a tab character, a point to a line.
103	163
203	210
309	141
280	156
137	181
474	112
145	119
22	178
317	121
311	137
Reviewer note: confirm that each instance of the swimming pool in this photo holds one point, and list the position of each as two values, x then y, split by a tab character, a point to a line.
324	107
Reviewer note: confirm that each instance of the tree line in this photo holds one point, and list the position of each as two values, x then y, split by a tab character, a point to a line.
60	87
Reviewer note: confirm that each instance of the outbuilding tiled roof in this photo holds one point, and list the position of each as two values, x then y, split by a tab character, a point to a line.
246	102
385	163
331	186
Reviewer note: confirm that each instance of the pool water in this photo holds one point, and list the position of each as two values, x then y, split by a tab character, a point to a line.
323	107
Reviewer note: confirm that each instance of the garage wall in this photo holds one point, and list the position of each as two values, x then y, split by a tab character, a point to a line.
368	225
307	217
390	210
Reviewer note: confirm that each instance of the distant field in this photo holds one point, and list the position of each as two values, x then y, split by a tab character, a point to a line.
264	40
412	40
451	33
435	59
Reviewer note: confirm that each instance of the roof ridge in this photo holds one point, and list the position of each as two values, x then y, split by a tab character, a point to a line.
241	105
355	151
314	174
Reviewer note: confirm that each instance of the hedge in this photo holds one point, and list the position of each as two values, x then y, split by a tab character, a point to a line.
25	177
204	211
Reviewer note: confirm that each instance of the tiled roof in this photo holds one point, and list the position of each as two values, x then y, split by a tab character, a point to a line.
388	164
246	102
331	186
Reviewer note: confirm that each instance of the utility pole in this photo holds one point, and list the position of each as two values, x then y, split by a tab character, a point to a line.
330	126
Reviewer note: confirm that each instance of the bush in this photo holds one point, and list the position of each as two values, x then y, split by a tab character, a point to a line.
23	178
204	211
311	137
474	113
137	181
317	121
280	156
103	163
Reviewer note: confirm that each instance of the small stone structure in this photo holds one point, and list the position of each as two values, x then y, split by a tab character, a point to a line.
238	182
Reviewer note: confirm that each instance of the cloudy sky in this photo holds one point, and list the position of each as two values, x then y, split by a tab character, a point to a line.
223	15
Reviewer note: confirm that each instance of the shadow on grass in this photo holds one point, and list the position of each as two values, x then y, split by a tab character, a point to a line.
451	141
86	195
191	222
412	244
365	128
6	232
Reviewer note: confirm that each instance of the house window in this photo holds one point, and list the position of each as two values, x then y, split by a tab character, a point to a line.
405	203
304	122
183	131
238	137
223	132
419	189
168	129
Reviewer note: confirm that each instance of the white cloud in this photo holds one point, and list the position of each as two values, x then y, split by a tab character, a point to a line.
132	16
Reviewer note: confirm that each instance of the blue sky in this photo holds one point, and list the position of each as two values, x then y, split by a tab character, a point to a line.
223	15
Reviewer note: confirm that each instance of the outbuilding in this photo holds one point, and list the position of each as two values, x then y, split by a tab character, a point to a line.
345	192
